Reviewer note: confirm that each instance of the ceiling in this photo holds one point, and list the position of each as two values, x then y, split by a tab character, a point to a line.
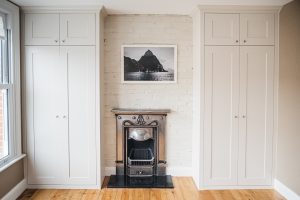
182	7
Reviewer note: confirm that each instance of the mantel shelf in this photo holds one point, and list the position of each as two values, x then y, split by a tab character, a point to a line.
123	111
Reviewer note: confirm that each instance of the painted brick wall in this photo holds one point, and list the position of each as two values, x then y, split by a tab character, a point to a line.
150	29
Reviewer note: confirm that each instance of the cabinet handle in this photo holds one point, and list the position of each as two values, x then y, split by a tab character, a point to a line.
244	116
245	41
63	41
162	162
235	116
237	41
55	41
64	116
57	116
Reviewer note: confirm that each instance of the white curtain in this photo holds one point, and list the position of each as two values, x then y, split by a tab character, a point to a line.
2	26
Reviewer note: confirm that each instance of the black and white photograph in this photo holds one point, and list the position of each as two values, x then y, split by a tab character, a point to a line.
149	64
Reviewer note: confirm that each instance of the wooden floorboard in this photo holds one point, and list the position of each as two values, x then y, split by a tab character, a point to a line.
185	189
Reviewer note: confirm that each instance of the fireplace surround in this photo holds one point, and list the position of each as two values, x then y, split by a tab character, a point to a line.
140	149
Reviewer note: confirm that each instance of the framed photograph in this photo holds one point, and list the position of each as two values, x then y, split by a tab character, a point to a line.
149	64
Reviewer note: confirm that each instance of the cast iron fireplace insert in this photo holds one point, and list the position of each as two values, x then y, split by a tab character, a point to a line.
140	149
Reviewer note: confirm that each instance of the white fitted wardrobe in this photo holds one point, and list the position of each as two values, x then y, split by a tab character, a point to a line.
61	72
237	97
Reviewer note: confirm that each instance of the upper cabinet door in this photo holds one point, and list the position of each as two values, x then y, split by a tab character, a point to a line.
256	111
257	29
41	29
221	29
77	29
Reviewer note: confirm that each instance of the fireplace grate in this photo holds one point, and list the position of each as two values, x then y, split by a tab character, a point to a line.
141	157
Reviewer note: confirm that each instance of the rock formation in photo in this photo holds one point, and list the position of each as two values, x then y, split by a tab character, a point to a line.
147	63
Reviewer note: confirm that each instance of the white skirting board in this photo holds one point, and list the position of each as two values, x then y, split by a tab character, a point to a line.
285	191
237	187
69	187
109	171
180	171
15	192
174	171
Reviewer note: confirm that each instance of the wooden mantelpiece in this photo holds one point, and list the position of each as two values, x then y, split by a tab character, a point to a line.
123	111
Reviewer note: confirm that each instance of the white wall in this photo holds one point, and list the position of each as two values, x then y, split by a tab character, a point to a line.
151	29
288	148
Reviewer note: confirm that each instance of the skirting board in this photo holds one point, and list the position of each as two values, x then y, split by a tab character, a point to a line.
285	191
94	187
236	187
15	192
174	171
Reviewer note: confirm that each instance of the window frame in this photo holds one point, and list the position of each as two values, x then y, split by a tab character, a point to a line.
14	102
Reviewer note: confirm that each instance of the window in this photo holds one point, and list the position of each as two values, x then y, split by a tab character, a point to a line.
4	89
10	131
4	136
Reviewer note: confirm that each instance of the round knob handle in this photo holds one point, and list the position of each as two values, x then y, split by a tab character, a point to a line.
64	116
57	116
245	41
56	41
235	116
63	41
237	41
244	116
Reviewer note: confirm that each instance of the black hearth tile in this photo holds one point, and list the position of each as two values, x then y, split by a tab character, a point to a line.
118	181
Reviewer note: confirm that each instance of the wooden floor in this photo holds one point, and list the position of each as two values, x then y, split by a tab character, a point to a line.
185	189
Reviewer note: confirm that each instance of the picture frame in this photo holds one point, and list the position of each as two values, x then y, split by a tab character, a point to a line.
148	63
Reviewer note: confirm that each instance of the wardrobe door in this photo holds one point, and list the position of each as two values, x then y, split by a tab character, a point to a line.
80	62
221	115
221	29
257	29
41	29
77	29
256	111
46	106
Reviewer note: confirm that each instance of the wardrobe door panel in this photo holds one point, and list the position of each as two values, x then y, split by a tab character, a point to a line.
221	115
257	29
256	111
80	62
221	29
77	29
41	29
46	104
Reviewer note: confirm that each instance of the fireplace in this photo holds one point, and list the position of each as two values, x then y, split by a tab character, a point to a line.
140	149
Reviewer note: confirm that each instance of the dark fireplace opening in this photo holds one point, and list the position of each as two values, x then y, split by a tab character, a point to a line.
140	152
140	145
140	158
